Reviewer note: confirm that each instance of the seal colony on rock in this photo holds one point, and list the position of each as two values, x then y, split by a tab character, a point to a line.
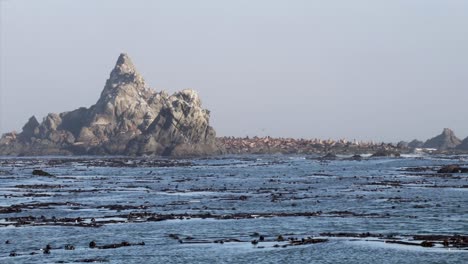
128	119
269	145
445	143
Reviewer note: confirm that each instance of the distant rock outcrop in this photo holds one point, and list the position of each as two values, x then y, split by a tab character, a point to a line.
403	145
128	119
463	145
444	141
415	144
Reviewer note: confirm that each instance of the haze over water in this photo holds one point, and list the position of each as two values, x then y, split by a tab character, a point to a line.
381	70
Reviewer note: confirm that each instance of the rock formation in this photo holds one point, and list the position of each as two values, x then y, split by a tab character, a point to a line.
444	141
463	145
415	144
403	145
128	119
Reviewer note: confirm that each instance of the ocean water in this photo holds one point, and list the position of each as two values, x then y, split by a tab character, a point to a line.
179	209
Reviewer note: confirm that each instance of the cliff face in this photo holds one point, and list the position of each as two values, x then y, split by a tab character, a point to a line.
128	119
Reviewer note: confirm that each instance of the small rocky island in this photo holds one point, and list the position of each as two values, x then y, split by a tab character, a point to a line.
128	119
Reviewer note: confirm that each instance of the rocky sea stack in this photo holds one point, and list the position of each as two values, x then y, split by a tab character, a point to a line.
444	141
128	119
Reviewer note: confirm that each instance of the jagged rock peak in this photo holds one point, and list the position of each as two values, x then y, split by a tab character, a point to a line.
448	132
32	123
446	140
125	64
29	129
125	71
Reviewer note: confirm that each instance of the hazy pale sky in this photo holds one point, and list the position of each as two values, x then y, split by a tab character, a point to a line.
365	69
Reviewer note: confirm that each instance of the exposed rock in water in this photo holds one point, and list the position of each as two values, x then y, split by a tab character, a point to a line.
386	153
41	173
416	144
444	141
329	156
128	119
452	169
356	157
